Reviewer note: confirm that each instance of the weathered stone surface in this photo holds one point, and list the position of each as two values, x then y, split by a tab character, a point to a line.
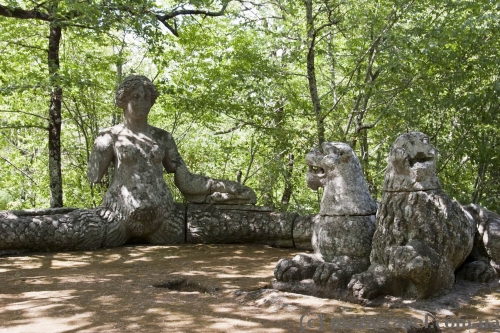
344	228
411	164
335	236
138	202
483	263
302	231
337	169
78	229
488	228
240	224
301	267
200	189
72	229
422	236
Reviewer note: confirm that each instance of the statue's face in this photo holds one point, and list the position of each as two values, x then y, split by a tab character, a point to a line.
323	164
412	164
138	103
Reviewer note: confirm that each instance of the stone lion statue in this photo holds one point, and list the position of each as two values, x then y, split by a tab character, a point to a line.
422	236
345	225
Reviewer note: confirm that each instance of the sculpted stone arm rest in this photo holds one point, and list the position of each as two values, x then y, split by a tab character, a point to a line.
200	189
100	158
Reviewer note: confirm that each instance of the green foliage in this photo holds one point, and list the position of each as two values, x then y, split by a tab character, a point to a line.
235	93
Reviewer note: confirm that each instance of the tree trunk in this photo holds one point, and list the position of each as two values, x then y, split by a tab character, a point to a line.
311	73
287	193
56	191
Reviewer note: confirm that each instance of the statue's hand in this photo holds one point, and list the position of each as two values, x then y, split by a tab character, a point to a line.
230	192
201	189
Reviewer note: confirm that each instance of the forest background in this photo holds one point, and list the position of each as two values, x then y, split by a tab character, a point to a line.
250	86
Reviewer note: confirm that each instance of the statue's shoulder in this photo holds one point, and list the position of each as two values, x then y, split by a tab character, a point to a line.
108	135
113	130
161	134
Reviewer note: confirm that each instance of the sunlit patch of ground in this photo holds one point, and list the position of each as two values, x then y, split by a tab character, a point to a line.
194	288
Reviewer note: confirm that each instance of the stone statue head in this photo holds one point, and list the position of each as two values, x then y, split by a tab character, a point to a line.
129	84
337	169
411	164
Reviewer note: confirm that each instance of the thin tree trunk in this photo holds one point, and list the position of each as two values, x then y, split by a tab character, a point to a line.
479	182
56	191
287	193
311	73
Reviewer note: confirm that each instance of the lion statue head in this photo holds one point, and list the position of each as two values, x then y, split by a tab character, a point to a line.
337	169
412	164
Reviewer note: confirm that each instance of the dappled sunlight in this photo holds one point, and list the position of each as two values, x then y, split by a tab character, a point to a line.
111	258
138	259
193	273
188	288
487	304
53	325
172	257
66	264
34	300
33	311
37	280
108	300
21	263
231	323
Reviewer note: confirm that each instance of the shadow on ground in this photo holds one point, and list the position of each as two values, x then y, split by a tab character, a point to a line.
197	288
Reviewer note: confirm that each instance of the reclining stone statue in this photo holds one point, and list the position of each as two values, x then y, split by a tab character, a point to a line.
422	236
343	229
138	203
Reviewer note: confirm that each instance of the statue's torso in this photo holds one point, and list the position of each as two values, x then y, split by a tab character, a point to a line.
138	190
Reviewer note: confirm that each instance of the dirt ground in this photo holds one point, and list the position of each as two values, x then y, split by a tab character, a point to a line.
199	288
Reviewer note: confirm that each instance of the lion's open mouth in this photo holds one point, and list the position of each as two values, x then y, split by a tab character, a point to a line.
421	160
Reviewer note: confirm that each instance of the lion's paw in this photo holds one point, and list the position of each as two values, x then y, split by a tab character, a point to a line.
301	267
287	270
330	275
364	286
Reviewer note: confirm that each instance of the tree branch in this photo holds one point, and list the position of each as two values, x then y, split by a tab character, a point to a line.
20	13
232	129
24	126
21	171
24	112
28	46
163	18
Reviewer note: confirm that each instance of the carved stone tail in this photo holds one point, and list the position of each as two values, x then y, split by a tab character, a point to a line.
51	230
70	229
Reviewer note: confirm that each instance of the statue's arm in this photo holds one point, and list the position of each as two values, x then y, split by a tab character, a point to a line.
199	188
188	183
100	157
172	160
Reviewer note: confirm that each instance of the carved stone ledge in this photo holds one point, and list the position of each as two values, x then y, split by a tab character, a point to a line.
57	229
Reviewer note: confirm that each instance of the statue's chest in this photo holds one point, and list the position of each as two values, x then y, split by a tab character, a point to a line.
133	149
